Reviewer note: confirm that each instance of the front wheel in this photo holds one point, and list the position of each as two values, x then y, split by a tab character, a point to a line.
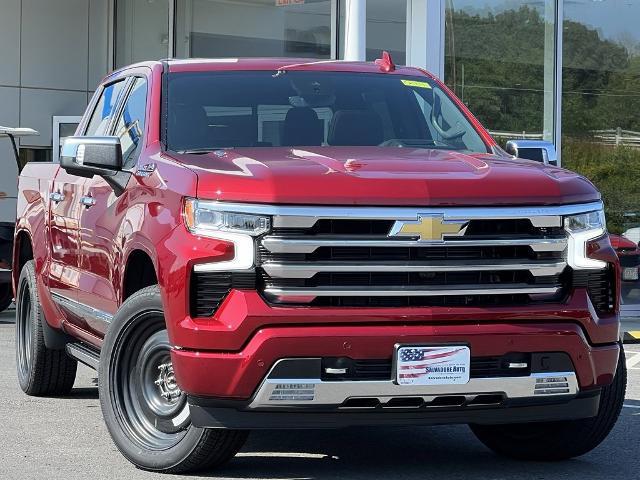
559	440
145	411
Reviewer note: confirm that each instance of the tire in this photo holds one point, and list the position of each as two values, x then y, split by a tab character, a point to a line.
6	296
153	432
41	370
553	441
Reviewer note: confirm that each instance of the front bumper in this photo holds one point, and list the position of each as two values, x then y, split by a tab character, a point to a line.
230	384
293	395
238	374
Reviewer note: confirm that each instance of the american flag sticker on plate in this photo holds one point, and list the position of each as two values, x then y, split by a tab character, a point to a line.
436	365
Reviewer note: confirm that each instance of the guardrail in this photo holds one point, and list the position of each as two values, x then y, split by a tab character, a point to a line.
618	137
516	135
615	137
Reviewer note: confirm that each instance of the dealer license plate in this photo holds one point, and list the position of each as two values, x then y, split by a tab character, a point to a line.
432	365
630	274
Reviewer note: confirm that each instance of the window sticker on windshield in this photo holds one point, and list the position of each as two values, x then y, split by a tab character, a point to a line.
415	83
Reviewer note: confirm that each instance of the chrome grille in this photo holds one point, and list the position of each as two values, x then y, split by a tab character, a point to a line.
345	257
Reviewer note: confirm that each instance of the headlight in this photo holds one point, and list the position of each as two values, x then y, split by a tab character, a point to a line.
585	221
581	229
205	218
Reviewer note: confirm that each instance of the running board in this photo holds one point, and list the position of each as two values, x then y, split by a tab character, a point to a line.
84	354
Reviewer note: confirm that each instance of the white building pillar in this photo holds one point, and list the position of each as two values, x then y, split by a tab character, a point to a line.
355	30
425	35
550	28
558	71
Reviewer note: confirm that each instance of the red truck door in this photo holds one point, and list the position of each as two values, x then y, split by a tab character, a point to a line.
100	234
64	242
67	208
98	253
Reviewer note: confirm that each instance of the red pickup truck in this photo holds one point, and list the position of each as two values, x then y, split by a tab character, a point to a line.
269	243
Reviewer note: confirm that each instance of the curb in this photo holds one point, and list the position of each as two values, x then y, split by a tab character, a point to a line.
631	337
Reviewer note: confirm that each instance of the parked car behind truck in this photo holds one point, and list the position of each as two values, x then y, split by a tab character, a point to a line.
273	243
9	170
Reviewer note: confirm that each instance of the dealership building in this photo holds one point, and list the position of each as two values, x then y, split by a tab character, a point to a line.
566	71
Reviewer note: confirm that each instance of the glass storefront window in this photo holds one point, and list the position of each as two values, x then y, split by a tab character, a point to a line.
600	121
387	29
500	60
253	28
141	31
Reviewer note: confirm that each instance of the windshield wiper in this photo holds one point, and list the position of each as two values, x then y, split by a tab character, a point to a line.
201	151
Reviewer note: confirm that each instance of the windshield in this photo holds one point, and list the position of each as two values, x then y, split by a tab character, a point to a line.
215	110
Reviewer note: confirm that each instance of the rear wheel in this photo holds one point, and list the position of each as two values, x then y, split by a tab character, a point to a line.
559	440
41	370
145	411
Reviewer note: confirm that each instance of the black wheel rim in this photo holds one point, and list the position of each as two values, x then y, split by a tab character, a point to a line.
148	402
24	330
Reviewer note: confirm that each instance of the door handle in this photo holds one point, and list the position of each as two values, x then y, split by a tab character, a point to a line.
88	201
56	197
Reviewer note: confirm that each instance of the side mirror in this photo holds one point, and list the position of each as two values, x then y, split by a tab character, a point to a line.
89	156
537	150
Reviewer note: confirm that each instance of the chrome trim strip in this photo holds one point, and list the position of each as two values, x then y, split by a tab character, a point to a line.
309	269
316	392
310	245
306	216
309	294
80	309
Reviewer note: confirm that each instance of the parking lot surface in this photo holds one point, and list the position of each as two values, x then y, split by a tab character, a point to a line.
65	438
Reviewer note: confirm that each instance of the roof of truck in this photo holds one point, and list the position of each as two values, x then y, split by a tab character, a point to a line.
274	64
213	64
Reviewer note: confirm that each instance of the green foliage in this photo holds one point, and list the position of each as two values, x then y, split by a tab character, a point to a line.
496	63
614	171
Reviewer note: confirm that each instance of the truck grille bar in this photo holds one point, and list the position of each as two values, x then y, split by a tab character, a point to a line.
305	245
409	292
306	270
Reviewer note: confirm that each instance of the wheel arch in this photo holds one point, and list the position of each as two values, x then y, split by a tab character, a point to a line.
22	253
140	271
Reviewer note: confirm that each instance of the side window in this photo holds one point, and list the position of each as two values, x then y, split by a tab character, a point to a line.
99	121
130	125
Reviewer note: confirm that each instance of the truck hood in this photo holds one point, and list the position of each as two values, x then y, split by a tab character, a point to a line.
380	176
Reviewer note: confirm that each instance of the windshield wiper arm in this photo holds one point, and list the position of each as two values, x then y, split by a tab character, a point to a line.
194	151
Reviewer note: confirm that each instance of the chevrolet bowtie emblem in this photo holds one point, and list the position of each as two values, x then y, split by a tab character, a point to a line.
429	228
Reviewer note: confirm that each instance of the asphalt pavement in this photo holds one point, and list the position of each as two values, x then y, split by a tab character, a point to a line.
65	438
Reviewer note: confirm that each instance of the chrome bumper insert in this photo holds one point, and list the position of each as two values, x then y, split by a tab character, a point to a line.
279	392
